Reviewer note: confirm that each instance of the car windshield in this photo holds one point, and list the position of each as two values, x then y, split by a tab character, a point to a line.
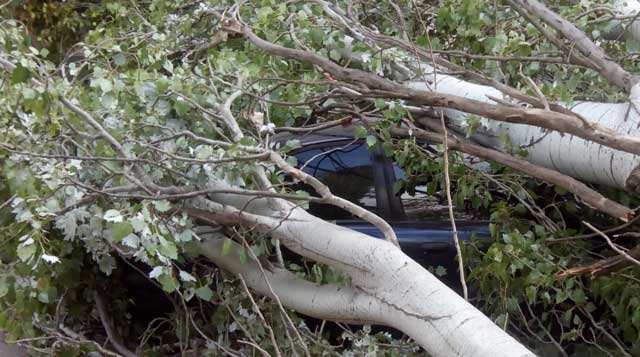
348	172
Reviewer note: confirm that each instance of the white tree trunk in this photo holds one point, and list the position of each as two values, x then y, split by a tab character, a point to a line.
387	287
565	153
570	155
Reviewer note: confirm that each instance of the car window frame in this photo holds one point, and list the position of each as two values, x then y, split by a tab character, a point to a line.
383	177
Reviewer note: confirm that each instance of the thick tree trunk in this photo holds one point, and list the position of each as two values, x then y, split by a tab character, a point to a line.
584	160
387	287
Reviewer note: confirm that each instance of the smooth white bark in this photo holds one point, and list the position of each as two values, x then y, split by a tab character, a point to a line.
330	302
387	288
565	153
570	155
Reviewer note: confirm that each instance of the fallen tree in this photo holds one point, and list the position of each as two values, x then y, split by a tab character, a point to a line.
155	147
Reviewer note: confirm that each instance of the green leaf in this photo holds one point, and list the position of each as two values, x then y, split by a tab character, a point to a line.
293	144
292	160
422	41
226	247
397	186
181	108
162	85
561	296
388	149
560	190
441	271
186	277
25	252
578	296
131	240
112	215
105	85
204	293
371	140
567	315
138	224
43	297
316	36
184	236
361	132
119	59
531	292
4	286
156	272
106	264
20	75
121	230
169	282
162	205
302	203
168	249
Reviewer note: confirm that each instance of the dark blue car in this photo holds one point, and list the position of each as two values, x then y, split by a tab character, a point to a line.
366	177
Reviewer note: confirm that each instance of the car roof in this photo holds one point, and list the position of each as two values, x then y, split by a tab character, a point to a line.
335	133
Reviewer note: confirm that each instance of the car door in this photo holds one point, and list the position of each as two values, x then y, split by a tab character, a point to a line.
365	177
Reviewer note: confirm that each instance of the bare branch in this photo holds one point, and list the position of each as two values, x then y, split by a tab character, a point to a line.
230	121
612	245
601	267
328	301
330	198
256	308
113	336
447	184
608	68
583	191
562	122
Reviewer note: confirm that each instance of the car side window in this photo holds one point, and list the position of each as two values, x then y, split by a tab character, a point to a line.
348	172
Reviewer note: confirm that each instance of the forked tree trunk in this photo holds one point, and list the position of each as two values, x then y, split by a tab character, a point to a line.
387	287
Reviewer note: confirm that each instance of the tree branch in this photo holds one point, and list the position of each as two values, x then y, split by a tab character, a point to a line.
583	191
601	267
113	336
329	302
564	123
609	69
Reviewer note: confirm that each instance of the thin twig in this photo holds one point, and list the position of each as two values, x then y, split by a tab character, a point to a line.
257	310
254	345
111	333
533	84
8	202
275	296
447	185
613	245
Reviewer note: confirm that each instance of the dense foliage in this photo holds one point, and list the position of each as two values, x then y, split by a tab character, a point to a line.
150	70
